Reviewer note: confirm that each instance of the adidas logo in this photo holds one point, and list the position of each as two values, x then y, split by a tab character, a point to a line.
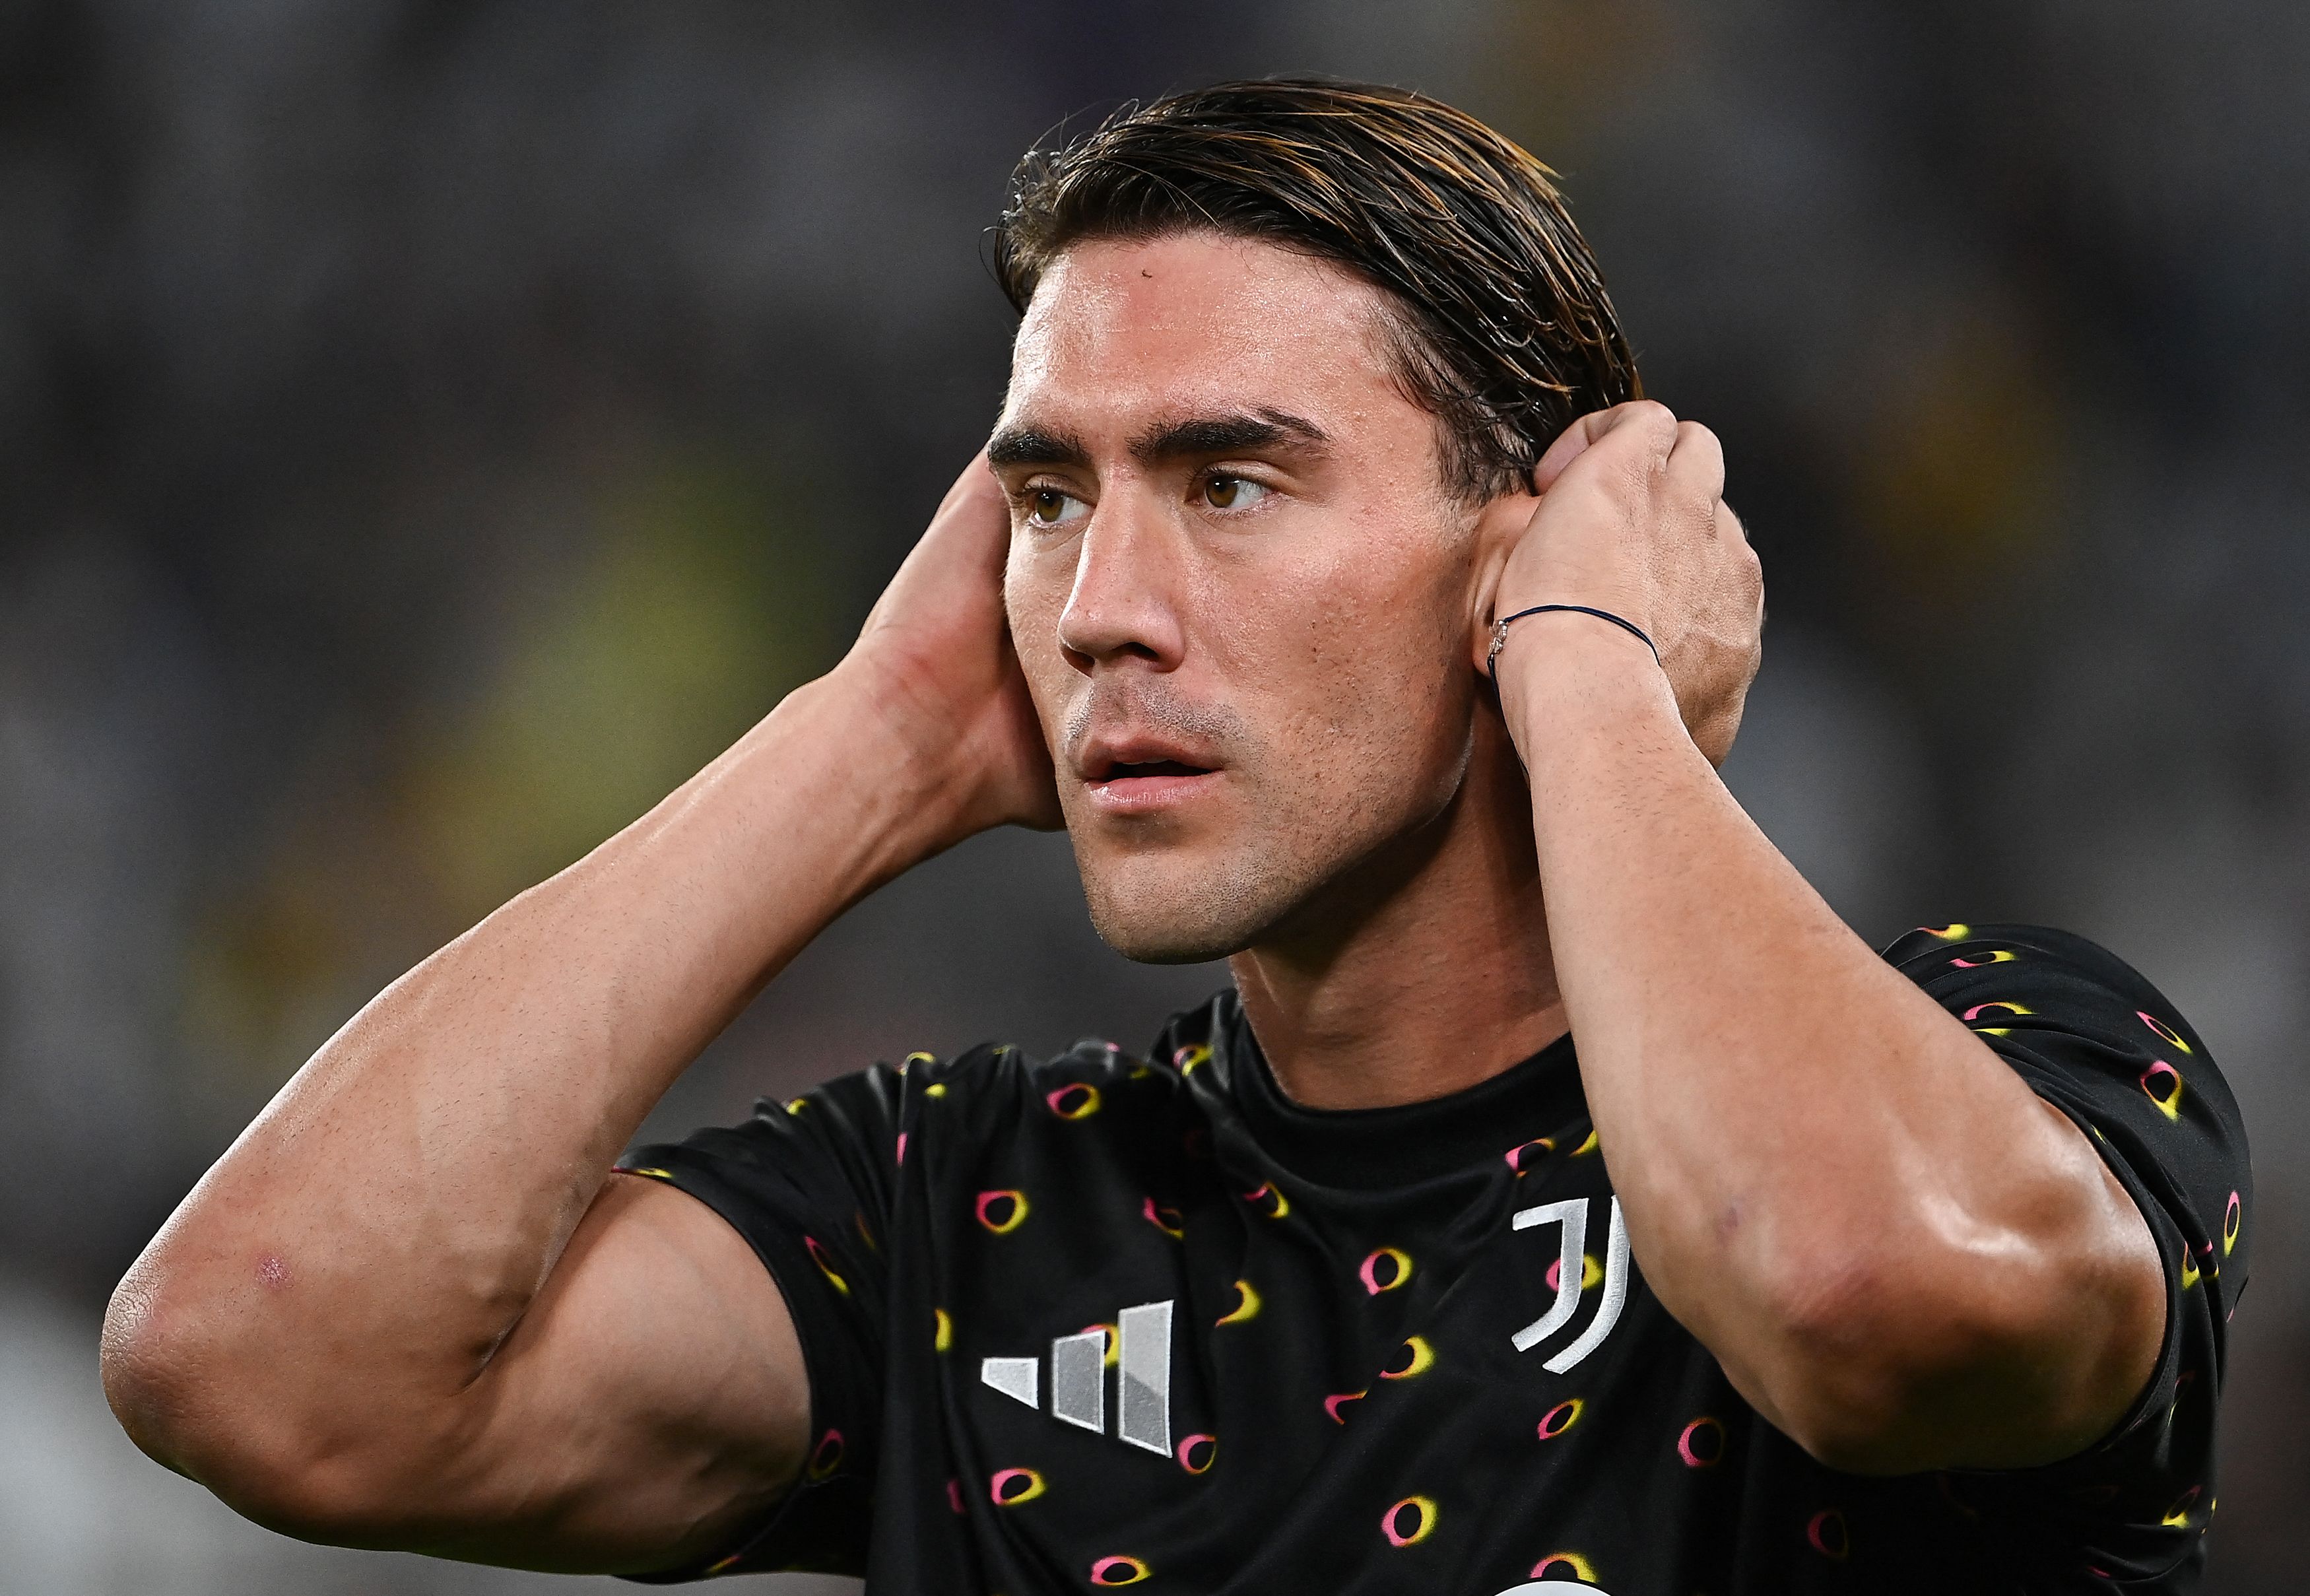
1079	1378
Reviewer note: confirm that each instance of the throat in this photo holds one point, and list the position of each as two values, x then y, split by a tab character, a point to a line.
1418	1000
1421	970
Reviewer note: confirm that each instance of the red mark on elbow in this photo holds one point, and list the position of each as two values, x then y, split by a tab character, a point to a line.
271	1272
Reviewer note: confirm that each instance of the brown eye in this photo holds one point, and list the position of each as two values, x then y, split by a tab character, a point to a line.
1232	493
1046	506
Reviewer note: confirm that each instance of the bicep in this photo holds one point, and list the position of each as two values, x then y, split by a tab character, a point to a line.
2059	1332
2008	1338
651	1402
2092	1344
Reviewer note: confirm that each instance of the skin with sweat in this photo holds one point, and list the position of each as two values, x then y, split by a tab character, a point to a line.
1216	615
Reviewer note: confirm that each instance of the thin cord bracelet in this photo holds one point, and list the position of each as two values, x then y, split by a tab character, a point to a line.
1500	632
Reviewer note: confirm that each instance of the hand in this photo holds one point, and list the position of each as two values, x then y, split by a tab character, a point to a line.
937	659
1632	519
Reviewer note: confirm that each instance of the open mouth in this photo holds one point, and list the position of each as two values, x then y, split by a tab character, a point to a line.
1144	770
1145	787
1153	768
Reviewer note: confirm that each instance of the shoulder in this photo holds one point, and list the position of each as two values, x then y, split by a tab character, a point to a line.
2092	1034
1940	951
2089	1033
1989	973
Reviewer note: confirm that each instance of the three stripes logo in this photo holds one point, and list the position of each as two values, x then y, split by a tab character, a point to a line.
1079	1378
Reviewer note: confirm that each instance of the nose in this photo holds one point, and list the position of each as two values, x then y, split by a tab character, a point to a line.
1121	607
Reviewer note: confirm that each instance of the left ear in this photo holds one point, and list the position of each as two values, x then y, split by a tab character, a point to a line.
1500	526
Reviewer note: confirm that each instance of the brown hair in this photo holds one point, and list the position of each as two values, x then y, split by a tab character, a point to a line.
1503	330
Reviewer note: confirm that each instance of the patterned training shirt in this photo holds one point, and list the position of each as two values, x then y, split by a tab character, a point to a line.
1110	1320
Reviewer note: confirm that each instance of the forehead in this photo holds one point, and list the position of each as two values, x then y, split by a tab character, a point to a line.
1122	329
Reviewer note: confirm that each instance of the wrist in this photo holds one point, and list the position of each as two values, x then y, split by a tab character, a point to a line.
820	803
1562	672
734	873
890	763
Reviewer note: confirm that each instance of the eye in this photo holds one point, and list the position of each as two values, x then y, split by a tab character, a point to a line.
1048	506
1233	493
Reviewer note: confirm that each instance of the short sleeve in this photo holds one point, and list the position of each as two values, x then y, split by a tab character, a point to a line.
808	1183
2095	1039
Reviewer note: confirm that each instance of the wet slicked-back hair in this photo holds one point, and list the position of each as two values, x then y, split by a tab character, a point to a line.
1503	329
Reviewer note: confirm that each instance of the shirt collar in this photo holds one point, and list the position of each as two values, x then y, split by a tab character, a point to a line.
1539	1099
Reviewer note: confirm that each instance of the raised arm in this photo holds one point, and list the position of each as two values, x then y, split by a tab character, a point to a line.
409	1307
1898	1253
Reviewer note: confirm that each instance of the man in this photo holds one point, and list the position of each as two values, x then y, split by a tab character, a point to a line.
1362	625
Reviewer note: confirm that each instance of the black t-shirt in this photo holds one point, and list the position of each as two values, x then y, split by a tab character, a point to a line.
1109	1321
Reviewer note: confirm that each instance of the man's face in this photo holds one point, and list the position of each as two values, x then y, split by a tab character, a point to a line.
1239	592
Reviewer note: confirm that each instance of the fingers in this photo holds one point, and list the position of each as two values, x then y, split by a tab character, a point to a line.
976	481
1650	422
1569	446
974	513
1752	570
1696	463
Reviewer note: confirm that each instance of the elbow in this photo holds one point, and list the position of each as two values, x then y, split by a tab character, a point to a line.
231	1417
1872	1373
1889	1365
144	1363
1833	1374
172	1384
1923	1332
1851	1413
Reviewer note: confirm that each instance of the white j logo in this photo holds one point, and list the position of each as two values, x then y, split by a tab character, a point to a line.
1571	1218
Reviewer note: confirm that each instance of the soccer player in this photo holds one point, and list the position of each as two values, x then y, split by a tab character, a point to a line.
1559	1193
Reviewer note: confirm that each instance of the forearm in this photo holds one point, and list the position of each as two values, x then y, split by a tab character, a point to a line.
368	1242
1807	1147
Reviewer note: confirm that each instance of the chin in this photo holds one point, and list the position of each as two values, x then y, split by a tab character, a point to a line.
1153	926
1144	940
1173	910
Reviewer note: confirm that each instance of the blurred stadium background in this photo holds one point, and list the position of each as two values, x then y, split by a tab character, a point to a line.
429	430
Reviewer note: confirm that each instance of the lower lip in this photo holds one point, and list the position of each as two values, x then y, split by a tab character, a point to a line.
1148	795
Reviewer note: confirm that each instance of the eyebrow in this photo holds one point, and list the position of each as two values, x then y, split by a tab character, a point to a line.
1227	435
1034	445
1196	436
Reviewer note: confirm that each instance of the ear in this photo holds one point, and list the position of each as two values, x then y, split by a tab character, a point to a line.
1499	525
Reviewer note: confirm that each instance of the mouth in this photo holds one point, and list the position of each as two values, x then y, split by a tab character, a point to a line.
1151	769
1126	779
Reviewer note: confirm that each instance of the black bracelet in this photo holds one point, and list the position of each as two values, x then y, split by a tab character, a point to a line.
1500	632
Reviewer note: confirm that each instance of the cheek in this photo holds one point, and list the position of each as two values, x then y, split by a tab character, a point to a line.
1034	588
1034	594
1283	622
1405	690
1373	617
1352	676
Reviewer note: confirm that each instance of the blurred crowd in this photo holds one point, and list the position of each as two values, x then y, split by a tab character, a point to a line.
429	430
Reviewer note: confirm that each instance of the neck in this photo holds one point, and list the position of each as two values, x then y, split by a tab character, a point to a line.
1425	969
